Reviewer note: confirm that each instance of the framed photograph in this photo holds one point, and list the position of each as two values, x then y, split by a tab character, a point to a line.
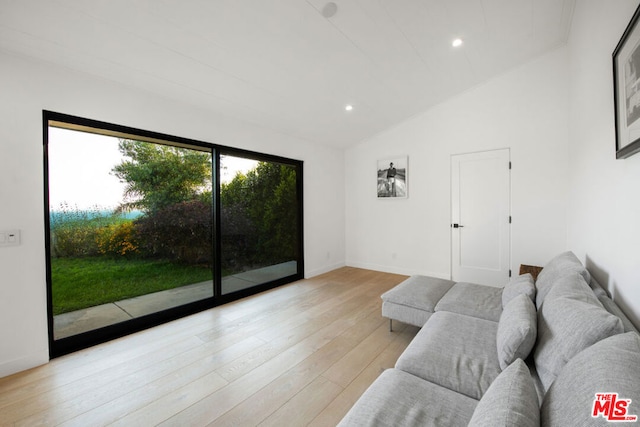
626	90
392	177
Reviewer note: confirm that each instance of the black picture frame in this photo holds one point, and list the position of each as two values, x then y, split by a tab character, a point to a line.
392	177
626	89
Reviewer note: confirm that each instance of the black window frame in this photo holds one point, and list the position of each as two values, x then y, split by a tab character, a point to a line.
67	345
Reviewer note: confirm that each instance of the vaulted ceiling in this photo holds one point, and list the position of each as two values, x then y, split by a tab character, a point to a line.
289	65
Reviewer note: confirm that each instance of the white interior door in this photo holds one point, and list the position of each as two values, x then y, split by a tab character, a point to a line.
480	217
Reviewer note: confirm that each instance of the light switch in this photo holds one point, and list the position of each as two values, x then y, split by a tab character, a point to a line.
9	237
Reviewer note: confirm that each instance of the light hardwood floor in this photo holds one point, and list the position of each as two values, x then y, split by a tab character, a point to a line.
300	354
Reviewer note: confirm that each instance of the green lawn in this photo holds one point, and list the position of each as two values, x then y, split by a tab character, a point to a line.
85	282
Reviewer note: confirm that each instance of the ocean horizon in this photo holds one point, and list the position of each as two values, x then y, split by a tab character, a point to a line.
72	214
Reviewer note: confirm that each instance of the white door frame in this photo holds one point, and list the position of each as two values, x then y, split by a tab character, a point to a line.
499	274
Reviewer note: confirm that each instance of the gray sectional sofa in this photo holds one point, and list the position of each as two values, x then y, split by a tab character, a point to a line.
550	351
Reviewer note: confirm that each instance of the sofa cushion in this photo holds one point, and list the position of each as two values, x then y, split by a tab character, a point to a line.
484	302
455	351
421	292
562	265
516	330
399	399
597	288
613	308
574	287
522	284
404	313
510	401
567	324
609	366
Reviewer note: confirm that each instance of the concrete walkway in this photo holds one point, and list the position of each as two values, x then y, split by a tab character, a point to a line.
90	318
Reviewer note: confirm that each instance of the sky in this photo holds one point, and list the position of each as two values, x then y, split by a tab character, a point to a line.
80	166
80	170
232	165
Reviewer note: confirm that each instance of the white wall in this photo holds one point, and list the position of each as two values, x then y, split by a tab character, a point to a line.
28	87
555	114
604	201
526	110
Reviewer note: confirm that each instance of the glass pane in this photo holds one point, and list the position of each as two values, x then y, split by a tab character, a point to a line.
259	222
131	228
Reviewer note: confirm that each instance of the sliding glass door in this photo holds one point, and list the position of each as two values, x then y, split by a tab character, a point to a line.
259	222
130	228
132	219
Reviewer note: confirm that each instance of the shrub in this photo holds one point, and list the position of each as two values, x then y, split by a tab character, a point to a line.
259	217
74	232
117	239
182	232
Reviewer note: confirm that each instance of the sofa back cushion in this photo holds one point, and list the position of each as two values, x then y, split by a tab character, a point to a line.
562	265
570	320
609	366
597	288
523	284
511	400
516	330
613	308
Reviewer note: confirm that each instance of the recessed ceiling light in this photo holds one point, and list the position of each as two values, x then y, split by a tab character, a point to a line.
348	107
456	43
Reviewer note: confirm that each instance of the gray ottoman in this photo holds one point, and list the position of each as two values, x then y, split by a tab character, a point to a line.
414	300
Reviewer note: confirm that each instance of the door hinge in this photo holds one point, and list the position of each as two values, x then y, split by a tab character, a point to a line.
509	165
509	273
509	219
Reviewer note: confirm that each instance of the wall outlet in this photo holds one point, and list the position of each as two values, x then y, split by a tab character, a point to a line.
9	237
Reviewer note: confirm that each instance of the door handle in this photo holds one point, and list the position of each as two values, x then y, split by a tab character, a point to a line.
457	226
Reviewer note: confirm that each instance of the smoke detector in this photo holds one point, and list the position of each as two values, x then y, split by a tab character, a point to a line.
329	9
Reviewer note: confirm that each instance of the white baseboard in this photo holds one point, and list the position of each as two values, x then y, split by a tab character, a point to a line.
318	271
22	364
398	270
